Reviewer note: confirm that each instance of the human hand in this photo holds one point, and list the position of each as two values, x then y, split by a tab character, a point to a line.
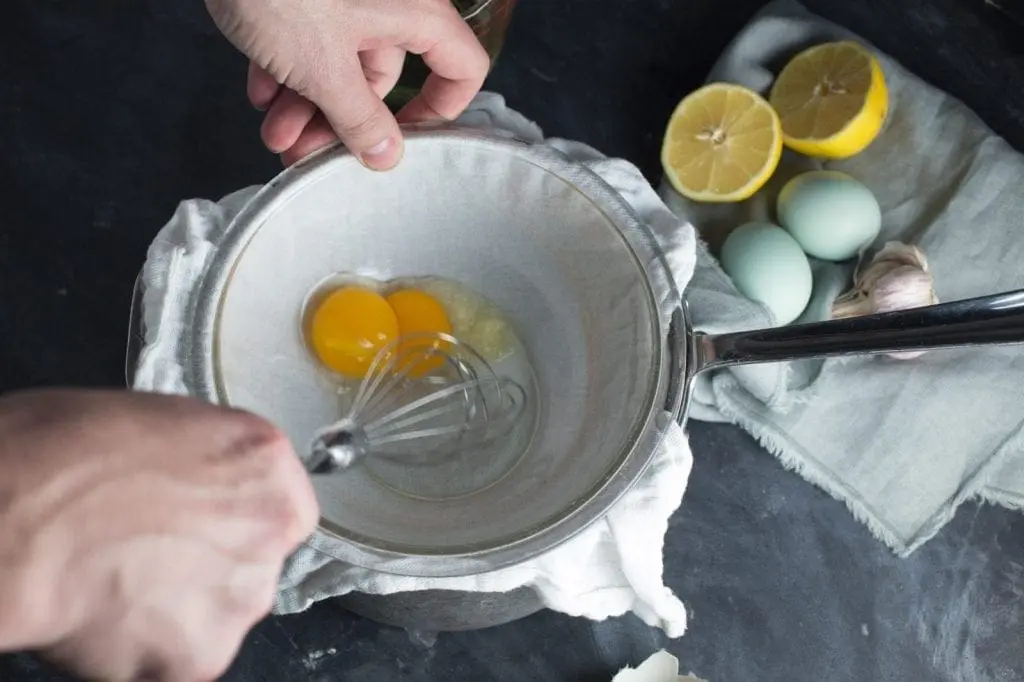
141	536
342	57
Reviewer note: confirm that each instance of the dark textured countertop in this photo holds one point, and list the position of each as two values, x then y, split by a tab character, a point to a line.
111	112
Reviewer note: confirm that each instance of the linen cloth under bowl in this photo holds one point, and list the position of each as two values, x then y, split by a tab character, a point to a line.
612	567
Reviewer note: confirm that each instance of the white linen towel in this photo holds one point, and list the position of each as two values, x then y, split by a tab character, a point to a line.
613	567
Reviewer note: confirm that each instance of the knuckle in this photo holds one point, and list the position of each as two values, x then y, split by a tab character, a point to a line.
257	434
254	449
477	61
212	667
260	603
307	517
321	69
480	67
305	84
277	522
212	644
291	507
298	513
364	126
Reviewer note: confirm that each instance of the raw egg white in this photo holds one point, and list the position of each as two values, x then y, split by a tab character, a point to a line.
347	319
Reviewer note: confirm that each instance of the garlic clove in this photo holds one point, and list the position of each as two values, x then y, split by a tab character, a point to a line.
853	303
896	278
902	288
891	255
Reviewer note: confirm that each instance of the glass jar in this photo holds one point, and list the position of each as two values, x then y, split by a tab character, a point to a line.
489	20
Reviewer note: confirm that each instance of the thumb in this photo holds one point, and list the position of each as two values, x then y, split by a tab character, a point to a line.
360	118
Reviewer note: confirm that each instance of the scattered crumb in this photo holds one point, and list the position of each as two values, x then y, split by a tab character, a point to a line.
314	658
547	78
424	638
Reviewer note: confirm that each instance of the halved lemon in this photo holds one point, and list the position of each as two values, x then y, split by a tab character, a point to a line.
832	100
722	144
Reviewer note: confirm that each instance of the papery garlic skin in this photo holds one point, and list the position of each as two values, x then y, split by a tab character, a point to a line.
901	288
896	278
891	255
661	666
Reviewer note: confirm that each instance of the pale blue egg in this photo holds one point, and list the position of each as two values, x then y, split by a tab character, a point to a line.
830	214
767	265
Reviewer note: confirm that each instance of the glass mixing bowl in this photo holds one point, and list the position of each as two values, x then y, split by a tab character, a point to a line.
543	238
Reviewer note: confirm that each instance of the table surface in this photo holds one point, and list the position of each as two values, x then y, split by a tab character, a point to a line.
112	112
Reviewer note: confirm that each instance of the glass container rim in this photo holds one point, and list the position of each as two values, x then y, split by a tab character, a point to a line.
477	7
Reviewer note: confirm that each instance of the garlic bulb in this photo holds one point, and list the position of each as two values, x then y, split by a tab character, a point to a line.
897	278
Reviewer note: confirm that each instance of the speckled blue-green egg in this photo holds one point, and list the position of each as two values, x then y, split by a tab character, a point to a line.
830	214
767	265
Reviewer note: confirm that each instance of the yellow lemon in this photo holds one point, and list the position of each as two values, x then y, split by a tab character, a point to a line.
722	144
832	100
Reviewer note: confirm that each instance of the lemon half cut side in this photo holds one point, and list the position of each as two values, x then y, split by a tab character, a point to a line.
832	100
722	144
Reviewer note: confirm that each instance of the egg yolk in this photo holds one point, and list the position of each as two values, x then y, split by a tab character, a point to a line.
418	312
350	327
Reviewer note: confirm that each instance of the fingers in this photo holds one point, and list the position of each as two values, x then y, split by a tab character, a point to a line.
382	68
350	88
317	135
148	646
301	511
459	65
166	573
289	508
359	117
287	117
292	127
261	88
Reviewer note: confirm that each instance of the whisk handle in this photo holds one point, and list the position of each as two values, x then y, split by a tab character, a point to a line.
333	451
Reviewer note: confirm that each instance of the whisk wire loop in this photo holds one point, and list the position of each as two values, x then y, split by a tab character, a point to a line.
458	404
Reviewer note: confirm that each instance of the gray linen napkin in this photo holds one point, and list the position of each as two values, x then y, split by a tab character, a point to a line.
902	443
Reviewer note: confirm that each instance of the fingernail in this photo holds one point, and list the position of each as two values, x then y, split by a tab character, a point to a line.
380	156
